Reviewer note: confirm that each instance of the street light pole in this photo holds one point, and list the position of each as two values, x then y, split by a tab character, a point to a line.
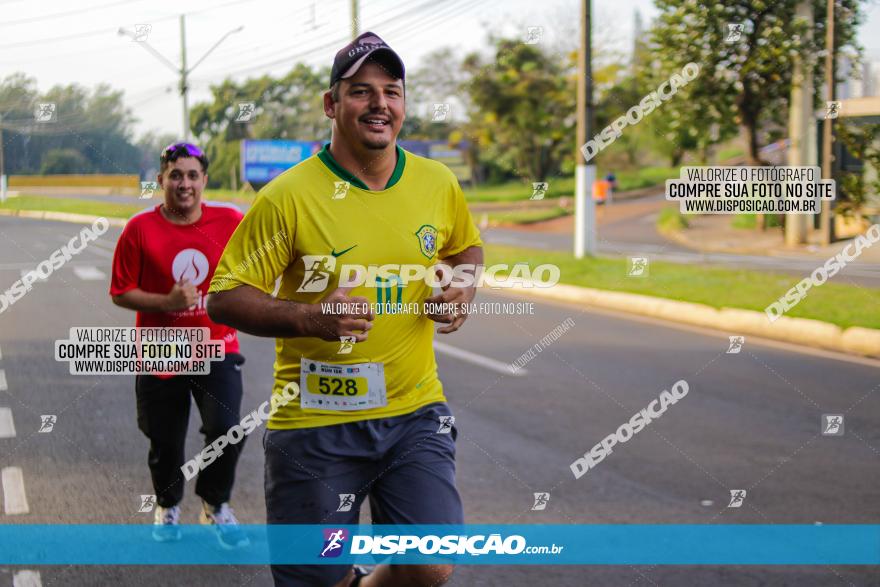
585	173
184	88
354	19
2	165
183	71
826	222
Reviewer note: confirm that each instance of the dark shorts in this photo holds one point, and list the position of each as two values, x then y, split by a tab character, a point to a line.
404	465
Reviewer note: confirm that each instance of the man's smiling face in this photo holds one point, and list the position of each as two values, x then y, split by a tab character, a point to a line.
183	181
370	110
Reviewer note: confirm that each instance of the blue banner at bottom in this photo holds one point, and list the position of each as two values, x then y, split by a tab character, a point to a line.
523	544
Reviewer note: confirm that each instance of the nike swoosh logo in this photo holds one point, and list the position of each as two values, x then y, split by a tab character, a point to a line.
340	253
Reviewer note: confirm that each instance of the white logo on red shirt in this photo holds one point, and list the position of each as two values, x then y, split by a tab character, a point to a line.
190	264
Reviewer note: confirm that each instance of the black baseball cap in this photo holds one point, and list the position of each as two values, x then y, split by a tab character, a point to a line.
368	45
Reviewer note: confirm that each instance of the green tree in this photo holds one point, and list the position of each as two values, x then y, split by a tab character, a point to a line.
749	77
289	107
93	122
63	161
522	106
855	188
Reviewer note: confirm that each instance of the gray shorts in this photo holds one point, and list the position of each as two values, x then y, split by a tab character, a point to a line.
404	465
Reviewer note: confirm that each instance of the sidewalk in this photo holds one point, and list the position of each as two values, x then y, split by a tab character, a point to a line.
714	233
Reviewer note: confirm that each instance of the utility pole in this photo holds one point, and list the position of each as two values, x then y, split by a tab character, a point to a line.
184	88
2	165
826	222
585	173
354	19
801	122
183	71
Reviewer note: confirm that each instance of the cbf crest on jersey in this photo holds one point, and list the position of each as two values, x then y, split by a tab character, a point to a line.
427	236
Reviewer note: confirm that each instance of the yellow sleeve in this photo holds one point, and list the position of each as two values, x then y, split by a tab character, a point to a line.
463	233
259	250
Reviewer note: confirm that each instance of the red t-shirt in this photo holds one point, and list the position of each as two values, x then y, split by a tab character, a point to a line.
153	254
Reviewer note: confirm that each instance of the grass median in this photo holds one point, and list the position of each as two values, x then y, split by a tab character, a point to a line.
526	216
74	206
564	186
842	304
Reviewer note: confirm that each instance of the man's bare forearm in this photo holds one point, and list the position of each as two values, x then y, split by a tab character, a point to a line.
471	255
142	301
250	310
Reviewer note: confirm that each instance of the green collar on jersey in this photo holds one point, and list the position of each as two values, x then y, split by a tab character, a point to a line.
328	160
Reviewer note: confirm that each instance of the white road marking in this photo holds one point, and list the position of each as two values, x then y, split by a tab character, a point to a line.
474	358
89	273
103	244
101	252
7	426
3	386
14	498
27	579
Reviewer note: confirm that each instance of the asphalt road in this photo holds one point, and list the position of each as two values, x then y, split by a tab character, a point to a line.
750	421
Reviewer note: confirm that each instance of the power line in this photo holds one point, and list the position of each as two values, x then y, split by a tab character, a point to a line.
302	42
325	47
58	39
113	30
68	13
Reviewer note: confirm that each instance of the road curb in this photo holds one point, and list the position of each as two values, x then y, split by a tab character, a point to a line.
61	216
814	333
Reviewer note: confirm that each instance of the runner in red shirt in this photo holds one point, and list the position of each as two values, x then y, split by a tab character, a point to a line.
162	267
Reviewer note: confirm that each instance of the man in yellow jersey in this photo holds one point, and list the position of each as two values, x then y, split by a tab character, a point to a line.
371	418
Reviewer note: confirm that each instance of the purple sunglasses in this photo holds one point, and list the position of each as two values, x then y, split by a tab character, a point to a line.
187	149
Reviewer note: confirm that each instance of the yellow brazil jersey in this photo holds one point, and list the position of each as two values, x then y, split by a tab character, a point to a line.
314	220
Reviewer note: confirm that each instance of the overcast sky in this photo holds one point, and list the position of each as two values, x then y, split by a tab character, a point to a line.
61	42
